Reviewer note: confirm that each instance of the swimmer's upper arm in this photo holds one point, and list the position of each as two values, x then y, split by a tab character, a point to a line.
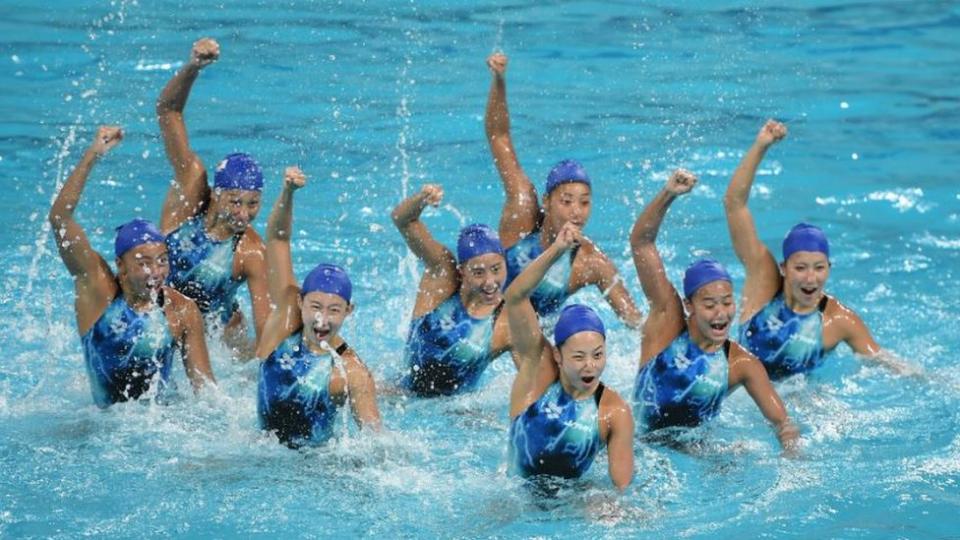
189	323
853	331
254	268
362	393
283	321
619	440
603	274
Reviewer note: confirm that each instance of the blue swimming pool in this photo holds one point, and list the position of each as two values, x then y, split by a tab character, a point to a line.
375	98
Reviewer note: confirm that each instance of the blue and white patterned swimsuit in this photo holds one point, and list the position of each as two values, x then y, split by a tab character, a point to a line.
202	269
448	350
786	342
127	352
293	397
556	436
681	386
552	292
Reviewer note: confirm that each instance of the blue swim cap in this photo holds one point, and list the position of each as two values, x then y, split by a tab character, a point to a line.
475	240
134	233
805	237
328	278
574	319
568	170
701	273
238	171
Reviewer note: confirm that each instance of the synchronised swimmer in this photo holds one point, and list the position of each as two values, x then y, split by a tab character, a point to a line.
174	284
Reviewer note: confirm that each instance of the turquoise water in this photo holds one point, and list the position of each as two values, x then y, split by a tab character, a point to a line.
373	100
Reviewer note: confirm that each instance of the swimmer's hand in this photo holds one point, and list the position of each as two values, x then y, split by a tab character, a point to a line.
770	133
431	194
293	178
570	235
789	436
681	182
497	62
107	137
205	52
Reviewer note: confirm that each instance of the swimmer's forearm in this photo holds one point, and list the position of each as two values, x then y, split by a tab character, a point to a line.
738	192
497	118
524	284
647	226
69	197
789	436
280	222
174	96
409	210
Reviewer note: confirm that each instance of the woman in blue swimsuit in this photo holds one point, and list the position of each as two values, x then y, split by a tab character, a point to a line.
526	231
687	363
130	323
213	246
456	331
787	320
308	371
560	412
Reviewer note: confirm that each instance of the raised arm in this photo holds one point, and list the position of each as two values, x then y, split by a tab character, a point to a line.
745	369
665	320
189	191
763	274
520	209
93	279
279	226
440	278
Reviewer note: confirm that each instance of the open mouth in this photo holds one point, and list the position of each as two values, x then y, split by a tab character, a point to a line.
588	380
808	290
720	326
321	333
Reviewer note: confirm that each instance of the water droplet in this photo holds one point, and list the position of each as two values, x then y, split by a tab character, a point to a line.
854	156
844	105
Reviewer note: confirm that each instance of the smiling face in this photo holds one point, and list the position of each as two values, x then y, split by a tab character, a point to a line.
323	315
583	356
568	202
711	310
482	277
804	275
143	270
236	208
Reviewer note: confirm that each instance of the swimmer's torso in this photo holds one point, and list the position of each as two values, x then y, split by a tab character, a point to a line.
126	352
556	435
448	350
681	386
293	398
202	268
786	342
552	291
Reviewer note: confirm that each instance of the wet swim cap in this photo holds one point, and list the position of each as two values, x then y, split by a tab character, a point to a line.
328	278
574	319
805	237
701	273
568	170
238	171
475	240
134	233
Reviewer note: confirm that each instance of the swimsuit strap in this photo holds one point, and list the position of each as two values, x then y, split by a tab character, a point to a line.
599	393
726	348
342	348
161	299
497	310
823	303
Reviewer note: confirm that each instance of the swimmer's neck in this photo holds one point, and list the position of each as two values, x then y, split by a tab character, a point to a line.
702	342
474	305
318	349
795	306
140	302
217	229
577	395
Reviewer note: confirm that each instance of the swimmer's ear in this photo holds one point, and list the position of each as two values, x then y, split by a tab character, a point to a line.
687	305
350	308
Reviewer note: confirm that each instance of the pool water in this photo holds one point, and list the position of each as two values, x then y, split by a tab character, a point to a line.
374	99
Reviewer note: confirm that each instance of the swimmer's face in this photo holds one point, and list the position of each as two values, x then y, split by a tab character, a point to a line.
712	309
236	207
568	202
483	276
583	356
144	269
804	275
323	315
